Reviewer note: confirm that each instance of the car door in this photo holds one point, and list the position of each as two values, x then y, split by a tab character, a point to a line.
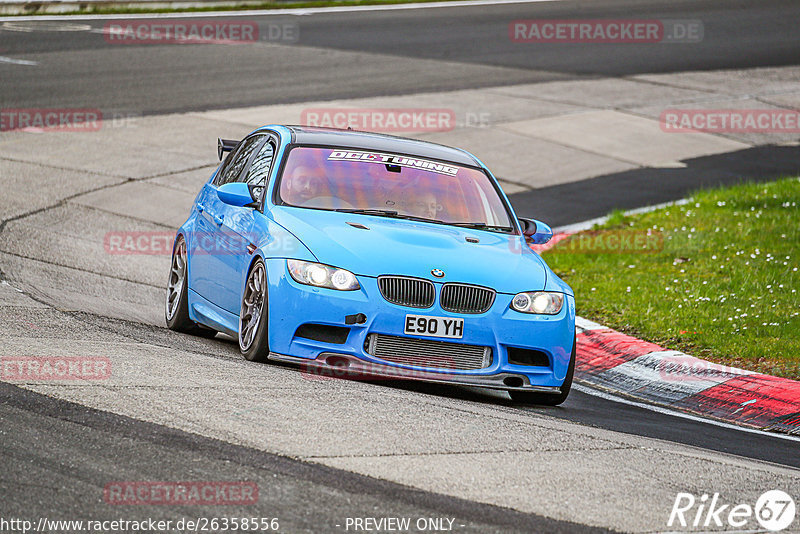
239	224
213	241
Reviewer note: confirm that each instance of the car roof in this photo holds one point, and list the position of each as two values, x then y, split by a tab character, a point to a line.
312	135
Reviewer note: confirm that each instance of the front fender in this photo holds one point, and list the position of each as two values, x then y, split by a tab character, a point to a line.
554	283
275	241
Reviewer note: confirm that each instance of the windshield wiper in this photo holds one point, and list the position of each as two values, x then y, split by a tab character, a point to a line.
396	215
388	213
481	226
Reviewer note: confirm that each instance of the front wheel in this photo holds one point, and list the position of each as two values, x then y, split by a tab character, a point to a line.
253	342
176	310
549	399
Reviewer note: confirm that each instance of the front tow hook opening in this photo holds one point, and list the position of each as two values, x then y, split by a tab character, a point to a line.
356	318
513	382
338	362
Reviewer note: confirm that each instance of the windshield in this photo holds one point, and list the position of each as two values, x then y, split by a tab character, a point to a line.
391	185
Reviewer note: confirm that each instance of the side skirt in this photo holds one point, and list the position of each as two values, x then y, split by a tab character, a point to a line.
207	314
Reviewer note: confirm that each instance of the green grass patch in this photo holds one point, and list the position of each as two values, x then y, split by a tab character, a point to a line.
717	277
110	10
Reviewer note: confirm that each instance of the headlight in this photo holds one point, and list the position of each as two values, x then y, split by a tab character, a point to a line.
316	274
541	302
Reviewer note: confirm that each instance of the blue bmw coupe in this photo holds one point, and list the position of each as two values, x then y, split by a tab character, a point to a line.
377	255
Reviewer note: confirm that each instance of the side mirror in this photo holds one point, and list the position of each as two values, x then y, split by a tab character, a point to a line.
236	194
535	232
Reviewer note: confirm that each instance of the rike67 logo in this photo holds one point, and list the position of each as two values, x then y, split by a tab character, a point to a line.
774	511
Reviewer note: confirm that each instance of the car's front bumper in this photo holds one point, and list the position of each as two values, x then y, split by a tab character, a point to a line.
292	305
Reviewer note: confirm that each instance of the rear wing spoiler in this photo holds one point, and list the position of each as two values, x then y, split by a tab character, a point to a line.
225	145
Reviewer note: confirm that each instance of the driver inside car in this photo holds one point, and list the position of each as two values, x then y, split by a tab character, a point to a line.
304	186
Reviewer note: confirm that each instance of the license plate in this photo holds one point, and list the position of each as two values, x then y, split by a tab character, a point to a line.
425	325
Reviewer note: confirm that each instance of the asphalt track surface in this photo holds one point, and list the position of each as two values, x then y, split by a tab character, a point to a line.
84	448
398	52
376	53
75	449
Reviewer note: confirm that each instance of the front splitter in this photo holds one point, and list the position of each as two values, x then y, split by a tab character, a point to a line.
336	365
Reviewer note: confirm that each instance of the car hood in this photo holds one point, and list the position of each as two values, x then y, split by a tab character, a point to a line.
410	248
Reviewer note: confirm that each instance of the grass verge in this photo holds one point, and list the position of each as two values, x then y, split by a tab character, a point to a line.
716	277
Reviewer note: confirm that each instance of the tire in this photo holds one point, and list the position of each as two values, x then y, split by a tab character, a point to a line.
253	317
176	308
549	399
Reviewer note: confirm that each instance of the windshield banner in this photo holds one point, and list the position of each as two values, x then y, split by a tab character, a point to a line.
390	159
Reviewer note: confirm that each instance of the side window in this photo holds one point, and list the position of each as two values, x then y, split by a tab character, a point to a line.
257	173
226	163
233	169
259	170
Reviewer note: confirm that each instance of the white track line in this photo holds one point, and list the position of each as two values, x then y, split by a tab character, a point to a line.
682	415
263	12
4	59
